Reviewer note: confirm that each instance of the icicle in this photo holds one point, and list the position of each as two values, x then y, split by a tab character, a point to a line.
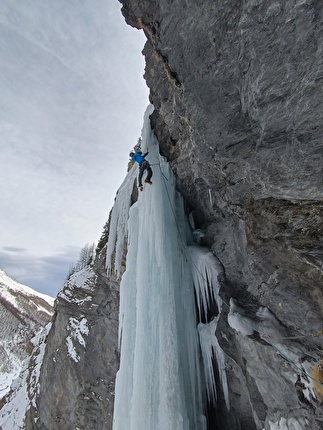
211	350
205	269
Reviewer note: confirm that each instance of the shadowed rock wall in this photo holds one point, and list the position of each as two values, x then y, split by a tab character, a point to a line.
238	96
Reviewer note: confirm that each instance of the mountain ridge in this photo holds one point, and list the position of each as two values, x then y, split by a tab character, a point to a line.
23	312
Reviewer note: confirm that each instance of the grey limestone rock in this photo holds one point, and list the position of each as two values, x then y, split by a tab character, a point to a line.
237	91
76	387
238	97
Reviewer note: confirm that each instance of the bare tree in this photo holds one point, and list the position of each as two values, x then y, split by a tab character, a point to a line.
85	259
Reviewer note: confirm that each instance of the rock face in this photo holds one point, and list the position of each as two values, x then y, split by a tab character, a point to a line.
238	95
76	386
237	91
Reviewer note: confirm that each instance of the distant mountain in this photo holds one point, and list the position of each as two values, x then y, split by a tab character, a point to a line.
23	312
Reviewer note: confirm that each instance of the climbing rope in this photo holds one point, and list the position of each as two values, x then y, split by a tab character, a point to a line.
158	164
263	335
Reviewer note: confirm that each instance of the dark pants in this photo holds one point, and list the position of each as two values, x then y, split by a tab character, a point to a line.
142	167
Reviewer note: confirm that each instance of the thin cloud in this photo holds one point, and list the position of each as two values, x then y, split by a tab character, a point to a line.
45	274
15	249
72	105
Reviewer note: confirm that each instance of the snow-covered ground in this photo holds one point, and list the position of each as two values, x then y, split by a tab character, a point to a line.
12	414
23	311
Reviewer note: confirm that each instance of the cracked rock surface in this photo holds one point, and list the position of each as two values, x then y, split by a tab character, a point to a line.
76	387
238	96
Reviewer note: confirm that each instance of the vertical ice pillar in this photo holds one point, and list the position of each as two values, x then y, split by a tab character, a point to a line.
158	384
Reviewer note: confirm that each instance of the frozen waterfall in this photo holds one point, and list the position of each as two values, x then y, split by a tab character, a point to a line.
160	384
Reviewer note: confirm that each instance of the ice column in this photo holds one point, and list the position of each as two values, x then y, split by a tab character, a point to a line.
206	270
159	383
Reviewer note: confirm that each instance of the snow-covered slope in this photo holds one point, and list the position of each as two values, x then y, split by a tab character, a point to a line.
25	386
23	312
23	298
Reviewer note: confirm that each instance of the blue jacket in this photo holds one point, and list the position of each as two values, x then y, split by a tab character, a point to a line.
139	157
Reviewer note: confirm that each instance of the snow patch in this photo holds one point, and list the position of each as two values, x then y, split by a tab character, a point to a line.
289	424
77	329
238	321
14	364
13	412
82	281
39	342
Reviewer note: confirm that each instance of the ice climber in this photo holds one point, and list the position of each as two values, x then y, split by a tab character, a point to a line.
139	158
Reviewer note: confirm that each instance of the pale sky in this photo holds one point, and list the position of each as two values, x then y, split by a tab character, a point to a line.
72	100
